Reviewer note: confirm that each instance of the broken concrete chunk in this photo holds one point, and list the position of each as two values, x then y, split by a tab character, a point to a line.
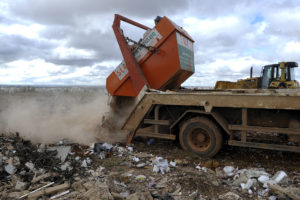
84	164
30	166
10	169
263	179
135	159
242	179
280	177
250	191
66	166
263	192
229	170
62	151
173	164
130	149
272	198
97	191
41	148
20	186
254	172
248	185
229	196
141	165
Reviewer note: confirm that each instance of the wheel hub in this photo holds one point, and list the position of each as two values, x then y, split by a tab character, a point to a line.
199	139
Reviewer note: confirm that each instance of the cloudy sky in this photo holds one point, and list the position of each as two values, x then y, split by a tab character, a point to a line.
71	42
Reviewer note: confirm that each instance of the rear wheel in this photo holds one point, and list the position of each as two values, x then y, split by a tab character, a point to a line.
201	136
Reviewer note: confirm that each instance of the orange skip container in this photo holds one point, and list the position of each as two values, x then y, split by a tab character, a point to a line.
164	69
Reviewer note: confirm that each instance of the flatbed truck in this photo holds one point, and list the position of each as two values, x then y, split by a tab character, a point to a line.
150	78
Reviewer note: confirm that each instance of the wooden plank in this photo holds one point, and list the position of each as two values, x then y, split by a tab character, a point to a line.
159	122
264	146
155	135
49	190
289	131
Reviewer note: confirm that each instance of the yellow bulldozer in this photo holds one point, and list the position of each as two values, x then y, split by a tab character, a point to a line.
274	76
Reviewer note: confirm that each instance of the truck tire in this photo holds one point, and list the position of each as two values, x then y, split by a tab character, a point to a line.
201	136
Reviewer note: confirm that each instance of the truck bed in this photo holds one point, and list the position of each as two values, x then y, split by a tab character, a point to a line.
261	99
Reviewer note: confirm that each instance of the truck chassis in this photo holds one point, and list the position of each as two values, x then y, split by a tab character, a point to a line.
206	119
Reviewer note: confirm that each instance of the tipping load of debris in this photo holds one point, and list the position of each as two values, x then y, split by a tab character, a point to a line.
104	171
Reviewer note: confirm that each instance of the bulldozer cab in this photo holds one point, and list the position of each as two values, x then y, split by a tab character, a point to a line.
278	75
269	74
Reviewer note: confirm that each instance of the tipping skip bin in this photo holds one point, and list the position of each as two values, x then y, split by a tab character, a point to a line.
166	68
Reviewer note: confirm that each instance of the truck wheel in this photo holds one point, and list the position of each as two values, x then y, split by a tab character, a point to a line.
201	136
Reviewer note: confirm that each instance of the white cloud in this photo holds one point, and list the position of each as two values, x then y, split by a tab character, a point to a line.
289	51
211	27
29	31
292	47
71	42
285	22
28	69
41	72
69	53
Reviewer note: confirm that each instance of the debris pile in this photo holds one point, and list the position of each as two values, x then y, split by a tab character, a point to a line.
259	183
103	171
29	170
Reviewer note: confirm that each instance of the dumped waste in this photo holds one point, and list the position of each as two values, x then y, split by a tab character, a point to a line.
67	170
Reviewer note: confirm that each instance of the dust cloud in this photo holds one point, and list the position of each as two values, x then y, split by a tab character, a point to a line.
47	115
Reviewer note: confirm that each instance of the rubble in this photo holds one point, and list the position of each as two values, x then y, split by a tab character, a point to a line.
62	151
10	169
229	196
160	165
263	179
291	192
229	170
48	190
71	171
279	177
20	186
60	194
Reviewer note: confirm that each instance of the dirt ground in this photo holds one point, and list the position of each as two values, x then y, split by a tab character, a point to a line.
103	171
241	157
